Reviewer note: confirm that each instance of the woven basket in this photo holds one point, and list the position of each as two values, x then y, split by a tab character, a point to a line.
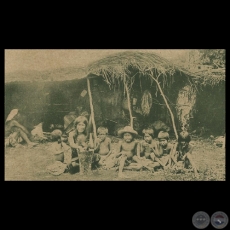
85	161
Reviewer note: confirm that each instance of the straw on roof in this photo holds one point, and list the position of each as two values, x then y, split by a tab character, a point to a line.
211	76
118	66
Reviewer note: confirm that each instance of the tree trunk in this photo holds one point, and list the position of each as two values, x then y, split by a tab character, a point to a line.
129	104
92	111
166	102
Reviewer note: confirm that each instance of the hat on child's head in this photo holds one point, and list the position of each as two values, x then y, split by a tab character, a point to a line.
163	135
127	129
12	114
184	136
56	134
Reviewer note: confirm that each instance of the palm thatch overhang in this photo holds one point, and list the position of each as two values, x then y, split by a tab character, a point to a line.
131	72
163	78
125	69
125	66
211	77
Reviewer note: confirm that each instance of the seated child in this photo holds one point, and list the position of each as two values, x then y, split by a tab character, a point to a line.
162	150
103	145
147	147
62	153
81	141
184	150
128	149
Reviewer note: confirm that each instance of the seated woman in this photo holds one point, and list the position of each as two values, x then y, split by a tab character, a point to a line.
14	130
78	140
70	118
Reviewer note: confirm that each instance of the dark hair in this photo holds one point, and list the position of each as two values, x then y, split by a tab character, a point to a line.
80	119
56	135
102	129
149	131
83	120
163	135
128	133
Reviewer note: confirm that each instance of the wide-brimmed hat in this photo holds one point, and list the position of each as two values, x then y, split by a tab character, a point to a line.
127	129
12	114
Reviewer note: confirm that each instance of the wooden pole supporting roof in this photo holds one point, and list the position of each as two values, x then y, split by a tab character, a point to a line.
92	110
129	103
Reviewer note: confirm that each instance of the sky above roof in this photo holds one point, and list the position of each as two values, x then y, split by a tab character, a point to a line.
21	60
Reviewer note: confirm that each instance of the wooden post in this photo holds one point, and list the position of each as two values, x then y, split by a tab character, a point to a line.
129	104
166	102
92	111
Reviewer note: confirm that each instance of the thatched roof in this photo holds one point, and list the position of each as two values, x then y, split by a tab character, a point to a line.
116	67
210	76
120	64
126	64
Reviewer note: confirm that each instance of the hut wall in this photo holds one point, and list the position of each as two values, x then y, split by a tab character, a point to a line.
46	102
106	101
210	109
159	110
185	104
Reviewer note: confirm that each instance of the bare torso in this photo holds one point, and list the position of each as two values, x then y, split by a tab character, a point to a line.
163	153
147	148
128	148
104	147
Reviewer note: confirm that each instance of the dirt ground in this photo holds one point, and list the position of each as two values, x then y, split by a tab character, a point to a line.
24	164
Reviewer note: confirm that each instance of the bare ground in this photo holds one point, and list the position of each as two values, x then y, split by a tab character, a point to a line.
24	164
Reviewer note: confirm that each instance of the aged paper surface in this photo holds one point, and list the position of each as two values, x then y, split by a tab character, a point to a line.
130	103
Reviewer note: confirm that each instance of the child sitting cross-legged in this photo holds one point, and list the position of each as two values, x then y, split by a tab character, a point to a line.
147	147
62	153
128	149
103	145
184	151
162	151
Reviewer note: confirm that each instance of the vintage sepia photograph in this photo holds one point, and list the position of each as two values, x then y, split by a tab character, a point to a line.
115	115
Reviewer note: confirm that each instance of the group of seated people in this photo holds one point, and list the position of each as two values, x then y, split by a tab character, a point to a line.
129	154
